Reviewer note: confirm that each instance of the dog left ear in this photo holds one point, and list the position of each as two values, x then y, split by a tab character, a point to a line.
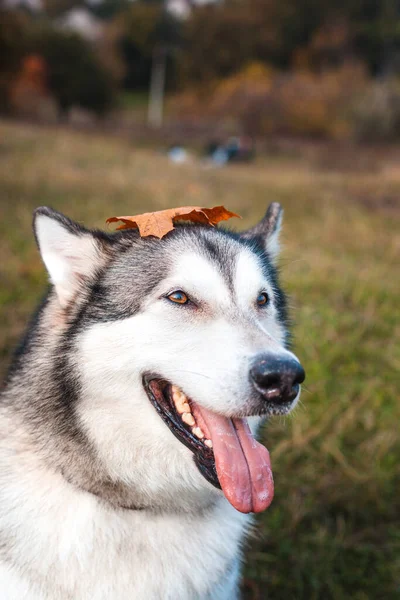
267	230
71	253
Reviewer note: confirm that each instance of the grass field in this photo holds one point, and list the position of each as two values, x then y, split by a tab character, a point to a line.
333	531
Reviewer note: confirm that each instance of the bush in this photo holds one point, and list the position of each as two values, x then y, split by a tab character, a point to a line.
376	115
28	92
74	73
262	101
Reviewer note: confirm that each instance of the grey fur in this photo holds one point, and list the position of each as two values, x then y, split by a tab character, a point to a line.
268	224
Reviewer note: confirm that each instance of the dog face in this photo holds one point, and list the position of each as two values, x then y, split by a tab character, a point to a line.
175	342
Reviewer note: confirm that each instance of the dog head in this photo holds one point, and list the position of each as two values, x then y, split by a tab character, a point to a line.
170	346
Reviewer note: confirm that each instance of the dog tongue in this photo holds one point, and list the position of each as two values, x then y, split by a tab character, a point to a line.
243	465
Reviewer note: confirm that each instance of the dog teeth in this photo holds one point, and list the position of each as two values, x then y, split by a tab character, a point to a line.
180	400
183	408
176	392
188	419
198	432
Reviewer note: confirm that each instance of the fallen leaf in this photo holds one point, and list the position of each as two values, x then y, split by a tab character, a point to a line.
159	223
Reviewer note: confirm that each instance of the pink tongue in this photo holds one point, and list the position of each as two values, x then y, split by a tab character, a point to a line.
243	465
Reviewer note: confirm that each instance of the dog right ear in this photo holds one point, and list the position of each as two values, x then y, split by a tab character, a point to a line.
71	253
267	230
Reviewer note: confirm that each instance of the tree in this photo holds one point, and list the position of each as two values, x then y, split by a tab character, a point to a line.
13	36
56	8
108	9
75	76
146	26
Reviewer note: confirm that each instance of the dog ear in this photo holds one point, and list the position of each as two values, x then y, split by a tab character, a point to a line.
71	253
267	230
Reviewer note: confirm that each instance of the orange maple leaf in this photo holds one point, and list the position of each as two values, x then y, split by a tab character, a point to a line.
161	222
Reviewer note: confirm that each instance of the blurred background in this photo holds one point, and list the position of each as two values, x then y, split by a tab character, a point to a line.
126	106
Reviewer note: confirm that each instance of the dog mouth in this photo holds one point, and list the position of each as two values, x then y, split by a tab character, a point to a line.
224	449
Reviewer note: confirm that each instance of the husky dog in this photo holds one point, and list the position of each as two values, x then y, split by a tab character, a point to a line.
128	462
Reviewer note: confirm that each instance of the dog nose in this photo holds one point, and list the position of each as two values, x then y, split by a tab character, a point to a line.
277	378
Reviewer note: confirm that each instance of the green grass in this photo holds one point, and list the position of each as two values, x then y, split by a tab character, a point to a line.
333	530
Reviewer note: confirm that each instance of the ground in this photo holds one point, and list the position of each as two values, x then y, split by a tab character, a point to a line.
333	530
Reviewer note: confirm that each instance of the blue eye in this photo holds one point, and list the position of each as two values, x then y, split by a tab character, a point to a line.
263	299
178	297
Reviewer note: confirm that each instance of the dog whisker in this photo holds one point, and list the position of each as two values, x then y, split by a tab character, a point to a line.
305	389
283	264
195	373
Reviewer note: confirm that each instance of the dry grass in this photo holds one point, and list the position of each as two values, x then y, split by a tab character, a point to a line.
333	531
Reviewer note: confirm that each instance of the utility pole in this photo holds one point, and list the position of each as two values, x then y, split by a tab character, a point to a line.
158	71
157	87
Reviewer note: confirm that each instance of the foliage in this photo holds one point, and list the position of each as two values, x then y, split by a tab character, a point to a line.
109	9
333	530
56	8
13	27
108	52
75	75
223	39
211	44
376	114
307	41
144	27
29	94
263	101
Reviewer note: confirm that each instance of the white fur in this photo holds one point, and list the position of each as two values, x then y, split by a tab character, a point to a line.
273	240
68	258
206	352
249	282
79	549
196	274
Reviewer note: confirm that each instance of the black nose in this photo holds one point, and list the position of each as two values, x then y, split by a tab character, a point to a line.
277	377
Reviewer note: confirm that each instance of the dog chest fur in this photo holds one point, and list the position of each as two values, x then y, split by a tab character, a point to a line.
77	547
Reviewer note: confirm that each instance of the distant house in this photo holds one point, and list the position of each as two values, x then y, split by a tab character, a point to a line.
83	22
182	8
179	8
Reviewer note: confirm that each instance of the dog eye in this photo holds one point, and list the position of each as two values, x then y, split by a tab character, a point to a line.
262	299
178	297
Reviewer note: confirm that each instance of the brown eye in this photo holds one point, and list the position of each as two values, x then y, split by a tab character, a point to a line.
263	299
178	297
